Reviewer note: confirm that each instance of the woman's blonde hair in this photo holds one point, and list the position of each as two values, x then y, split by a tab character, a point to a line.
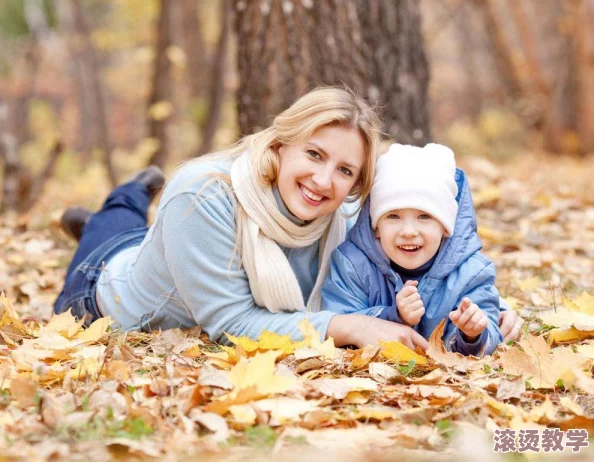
322	107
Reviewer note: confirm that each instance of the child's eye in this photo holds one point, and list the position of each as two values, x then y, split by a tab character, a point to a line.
314	154
393	216
425	216
346	171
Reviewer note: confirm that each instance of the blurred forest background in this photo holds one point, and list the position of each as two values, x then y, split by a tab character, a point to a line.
92	90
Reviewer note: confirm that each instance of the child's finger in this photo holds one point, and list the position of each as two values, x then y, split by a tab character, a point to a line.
407	291
467	314
472	323
415	306
412	298
455	315
411	282
464	304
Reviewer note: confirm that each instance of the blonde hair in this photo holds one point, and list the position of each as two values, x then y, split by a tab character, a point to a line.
322	107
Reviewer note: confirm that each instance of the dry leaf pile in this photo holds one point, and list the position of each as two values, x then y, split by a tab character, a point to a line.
67	392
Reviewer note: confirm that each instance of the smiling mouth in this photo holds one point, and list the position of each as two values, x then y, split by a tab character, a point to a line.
310	196
410	248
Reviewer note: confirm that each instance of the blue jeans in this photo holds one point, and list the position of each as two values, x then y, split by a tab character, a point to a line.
120	224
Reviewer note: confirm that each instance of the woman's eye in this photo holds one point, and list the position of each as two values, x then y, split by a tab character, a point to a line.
346	171
314	154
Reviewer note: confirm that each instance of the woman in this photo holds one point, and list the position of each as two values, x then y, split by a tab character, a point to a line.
241	238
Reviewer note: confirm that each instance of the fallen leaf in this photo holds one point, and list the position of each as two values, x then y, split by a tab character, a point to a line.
438	352
400	353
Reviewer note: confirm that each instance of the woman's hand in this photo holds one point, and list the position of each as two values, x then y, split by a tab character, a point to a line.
510	325
360	330
470	319
409	304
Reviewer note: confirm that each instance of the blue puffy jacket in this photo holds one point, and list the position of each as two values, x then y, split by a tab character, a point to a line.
362	281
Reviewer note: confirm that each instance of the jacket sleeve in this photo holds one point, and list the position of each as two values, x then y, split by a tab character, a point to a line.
482	291
345	293
199	244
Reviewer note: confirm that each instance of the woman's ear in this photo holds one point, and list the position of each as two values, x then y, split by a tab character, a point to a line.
276	146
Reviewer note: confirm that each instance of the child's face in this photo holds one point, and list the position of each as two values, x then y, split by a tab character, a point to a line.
410	237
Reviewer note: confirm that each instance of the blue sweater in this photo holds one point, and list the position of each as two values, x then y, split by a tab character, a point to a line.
184	273
362	281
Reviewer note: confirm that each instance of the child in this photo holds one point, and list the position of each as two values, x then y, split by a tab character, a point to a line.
413	256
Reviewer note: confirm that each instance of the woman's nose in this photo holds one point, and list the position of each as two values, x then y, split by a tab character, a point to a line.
323	178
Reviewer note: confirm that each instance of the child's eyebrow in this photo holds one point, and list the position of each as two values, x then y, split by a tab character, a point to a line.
321	149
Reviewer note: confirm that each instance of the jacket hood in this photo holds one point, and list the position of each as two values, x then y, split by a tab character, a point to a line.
455	250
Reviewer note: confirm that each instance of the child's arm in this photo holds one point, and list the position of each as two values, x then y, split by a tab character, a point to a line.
344	292
482	292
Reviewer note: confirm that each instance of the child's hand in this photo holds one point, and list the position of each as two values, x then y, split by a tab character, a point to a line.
410	306
470	319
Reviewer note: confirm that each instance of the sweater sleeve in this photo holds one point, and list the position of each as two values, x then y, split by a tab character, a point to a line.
199	241
480	290
344	292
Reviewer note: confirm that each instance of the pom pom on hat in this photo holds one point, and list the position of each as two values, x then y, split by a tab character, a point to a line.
409	177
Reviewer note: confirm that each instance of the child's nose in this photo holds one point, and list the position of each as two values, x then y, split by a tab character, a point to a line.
409	230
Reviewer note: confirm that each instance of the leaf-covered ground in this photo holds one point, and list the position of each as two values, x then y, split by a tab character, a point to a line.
77	394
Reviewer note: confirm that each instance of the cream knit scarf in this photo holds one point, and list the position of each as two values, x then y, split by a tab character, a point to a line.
263	229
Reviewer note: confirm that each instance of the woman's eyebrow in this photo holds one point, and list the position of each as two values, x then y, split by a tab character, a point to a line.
321	149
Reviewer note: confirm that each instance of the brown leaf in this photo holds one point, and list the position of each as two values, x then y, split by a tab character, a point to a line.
507	389
24	391
440	355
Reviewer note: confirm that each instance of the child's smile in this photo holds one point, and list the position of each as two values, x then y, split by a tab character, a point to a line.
410	237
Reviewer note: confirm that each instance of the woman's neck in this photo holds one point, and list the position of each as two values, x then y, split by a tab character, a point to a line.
282	207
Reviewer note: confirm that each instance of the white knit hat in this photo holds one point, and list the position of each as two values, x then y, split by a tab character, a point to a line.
409	177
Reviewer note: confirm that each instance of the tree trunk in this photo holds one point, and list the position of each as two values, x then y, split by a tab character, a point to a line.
397	67
472	91
584	51
9	155
288	47
160	93
194	47
217	81
91	74
502	50
529	48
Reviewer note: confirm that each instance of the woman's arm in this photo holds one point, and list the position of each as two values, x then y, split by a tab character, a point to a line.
199	239
361	330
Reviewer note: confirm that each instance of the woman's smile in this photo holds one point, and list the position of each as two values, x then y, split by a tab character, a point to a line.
311	197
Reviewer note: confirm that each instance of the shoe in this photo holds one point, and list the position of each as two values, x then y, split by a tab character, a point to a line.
152	177
74	220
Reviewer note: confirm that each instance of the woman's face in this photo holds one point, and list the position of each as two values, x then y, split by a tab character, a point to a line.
316	175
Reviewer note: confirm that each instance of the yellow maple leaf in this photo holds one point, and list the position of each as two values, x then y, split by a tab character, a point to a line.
538	364
311	338
400	353
65	324
266	341
571	335
95	331
87	367
10	323
583	304
271	341
253	379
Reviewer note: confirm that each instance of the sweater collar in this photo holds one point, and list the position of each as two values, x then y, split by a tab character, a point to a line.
284	210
